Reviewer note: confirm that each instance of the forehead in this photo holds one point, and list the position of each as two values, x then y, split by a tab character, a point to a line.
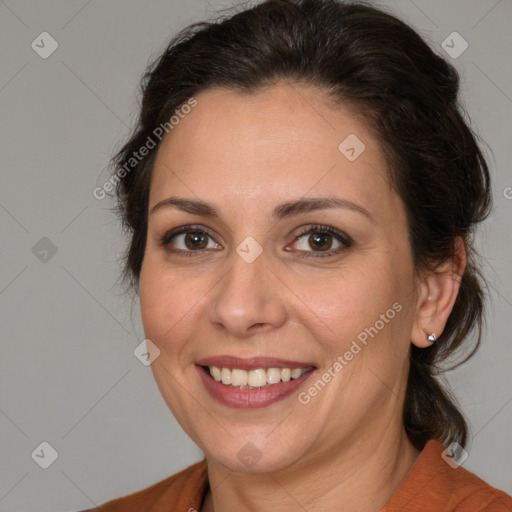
283	140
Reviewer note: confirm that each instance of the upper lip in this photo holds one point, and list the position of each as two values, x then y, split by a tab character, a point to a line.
251	363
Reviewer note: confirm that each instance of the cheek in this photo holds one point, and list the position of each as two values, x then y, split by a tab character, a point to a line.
171	301
353	300
364	310
159	304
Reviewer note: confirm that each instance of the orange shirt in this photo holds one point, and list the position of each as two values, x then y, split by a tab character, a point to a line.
430	486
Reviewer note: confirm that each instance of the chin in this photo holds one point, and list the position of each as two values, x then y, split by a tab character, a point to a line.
260	456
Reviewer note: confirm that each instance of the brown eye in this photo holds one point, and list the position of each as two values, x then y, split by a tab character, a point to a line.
196	240
320	242
188	240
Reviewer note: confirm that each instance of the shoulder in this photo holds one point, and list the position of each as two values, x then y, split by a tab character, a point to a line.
436	483
182	491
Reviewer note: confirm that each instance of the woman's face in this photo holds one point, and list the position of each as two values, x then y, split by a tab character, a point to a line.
292	252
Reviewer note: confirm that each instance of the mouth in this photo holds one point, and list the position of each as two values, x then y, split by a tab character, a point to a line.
254	379
255	382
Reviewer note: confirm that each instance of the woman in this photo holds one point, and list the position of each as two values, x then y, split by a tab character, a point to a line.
301	192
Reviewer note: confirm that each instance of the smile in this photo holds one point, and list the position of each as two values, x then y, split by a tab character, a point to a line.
255	382
257	378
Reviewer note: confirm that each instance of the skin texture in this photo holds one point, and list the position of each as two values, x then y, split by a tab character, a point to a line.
245	154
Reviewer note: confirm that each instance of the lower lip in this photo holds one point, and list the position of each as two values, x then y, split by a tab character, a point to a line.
248	398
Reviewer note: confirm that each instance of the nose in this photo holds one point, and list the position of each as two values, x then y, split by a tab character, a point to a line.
249	299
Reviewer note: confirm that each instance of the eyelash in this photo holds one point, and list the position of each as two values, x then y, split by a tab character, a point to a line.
319	229
166	239
341	237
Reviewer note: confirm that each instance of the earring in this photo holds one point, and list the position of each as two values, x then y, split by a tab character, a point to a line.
431	337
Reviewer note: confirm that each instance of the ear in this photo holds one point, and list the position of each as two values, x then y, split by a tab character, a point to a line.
436	296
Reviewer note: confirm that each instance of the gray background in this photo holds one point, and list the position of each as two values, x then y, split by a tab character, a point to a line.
68	373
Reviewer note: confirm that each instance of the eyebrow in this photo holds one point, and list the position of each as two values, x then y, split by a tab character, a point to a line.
282	211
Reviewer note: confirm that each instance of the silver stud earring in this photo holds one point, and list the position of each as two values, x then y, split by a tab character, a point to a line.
432	337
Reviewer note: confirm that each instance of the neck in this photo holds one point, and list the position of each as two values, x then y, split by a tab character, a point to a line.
361	475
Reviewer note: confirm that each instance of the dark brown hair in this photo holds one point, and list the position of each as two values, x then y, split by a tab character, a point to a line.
370	60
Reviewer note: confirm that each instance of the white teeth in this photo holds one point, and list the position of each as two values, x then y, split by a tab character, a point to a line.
225	375
273	375
296	373
215	373
255	378
238	377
